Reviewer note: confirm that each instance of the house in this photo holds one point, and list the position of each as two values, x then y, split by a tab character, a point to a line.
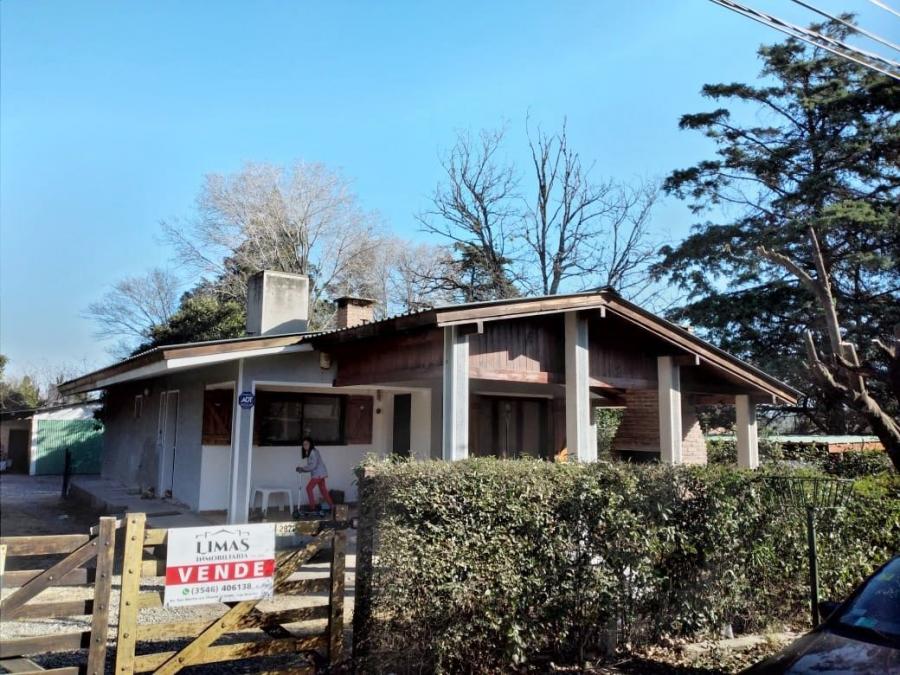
212	421
34	441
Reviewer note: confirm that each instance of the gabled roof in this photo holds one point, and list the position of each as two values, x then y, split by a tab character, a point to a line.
173	357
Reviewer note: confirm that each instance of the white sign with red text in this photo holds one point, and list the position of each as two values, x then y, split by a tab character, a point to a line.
224	563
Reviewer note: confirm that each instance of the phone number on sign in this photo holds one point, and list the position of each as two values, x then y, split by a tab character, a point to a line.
216	588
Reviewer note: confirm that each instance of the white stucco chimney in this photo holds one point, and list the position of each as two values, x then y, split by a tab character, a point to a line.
277	303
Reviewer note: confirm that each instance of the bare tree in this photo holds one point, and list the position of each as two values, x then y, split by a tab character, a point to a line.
417	277
133	306
579	232
477	210
302	219
838	369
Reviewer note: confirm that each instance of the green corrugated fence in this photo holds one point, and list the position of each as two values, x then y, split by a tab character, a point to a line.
83	437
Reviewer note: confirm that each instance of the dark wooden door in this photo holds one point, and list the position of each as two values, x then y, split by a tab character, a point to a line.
402	421
19	441
510	427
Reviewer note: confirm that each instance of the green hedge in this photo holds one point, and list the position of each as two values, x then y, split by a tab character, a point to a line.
850	464
485	565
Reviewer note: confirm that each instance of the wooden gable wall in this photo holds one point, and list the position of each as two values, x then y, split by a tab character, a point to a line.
401	357
519	350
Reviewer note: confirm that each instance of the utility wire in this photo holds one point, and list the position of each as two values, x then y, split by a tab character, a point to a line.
834	42
855	29
815	39
885	7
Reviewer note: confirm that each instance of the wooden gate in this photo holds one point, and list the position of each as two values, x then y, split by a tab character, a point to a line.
78	550
231	632
244	630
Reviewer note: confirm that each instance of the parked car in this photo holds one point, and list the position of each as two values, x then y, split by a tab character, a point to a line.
860	635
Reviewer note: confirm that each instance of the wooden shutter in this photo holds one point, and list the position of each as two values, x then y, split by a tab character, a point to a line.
358	420
218	405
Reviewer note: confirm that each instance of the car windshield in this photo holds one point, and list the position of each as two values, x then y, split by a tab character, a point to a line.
877	607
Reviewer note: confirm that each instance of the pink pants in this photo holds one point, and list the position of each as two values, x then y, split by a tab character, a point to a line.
323	490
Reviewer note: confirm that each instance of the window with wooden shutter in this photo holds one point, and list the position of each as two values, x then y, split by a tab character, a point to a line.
218	405
358	420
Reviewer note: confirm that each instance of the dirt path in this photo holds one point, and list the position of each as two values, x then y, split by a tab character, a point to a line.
32	505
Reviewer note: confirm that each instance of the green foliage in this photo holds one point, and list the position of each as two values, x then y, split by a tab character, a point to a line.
607	421
852	464
199	318
488	565
18	394
820	150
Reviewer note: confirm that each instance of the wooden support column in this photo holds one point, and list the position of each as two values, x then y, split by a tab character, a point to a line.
669	382
456	394
745	429
581	437
241	452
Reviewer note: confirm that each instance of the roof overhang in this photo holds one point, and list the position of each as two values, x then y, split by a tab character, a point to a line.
601	301
163	360
179	357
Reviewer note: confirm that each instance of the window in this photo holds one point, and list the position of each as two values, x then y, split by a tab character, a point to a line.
284	418
138	406
218	405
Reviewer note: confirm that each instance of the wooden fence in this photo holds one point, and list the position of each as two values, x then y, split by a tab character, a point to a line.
245	630
77	550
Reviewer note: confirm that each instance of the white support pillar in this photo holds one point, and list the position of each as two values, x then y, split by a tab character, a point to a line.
745	428
670	434
241	452
581	436
456	394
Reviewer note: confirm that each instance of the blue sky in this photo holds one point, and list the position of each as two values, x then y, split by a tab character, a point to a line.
112	112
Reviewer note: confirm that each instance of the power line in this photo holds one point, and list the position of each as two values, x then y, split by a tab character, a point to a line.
855	29
816	39
885	7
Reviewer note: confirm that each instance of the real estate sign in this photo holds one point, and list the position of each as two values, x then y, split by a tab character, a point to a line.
224	563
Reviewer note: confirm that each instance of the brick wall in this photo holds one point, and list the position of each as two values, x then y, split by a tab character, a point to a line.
639	430
693	445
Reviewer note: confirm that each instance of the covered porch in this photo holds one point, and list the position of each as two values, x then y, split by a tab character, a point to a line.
523	378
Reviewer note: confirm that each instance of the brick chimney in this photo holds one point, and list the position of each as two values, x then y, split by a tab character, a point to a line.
354	311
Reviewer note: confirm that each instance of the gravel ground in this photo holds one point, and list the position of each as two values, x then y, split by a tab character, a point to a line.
32	505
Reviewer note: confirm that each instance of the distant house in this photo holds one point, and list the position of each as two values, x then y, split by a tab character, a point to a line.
213	421
34	441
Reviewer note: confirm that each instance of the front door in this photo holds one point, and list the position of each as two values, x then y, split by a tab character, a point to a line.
168	441
510	427
402	443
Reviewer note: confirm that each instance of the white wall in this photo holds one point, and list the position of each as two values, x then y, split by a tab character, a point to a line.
422	424
276	467
215	469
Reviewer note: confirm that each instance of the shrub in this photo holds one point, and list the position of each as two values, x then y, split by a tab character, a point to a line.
486	565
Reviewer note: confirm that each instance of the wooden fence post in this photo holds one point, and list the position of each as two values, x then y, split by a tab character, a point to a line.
102	587
336	597
67	473
128	600
365	543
